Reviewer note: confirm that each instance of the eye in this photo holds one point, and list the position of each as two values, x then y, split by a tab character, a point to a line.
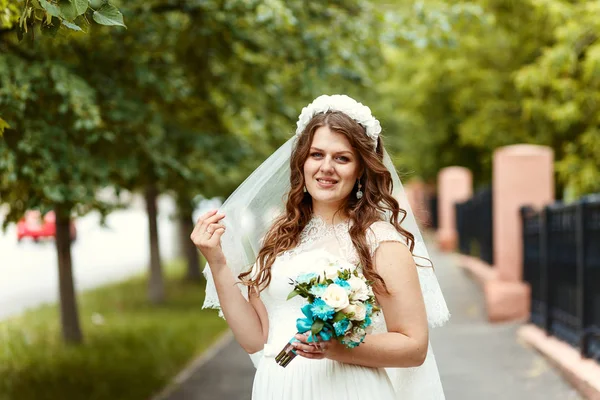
316	154
343	159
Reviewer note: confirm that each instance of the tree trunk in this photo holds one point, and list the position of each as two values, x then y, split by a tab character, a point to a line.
156	287
68	302
186	225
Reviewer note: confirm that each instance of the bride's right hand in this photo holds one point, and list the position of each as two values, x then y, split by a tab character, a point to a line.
207	237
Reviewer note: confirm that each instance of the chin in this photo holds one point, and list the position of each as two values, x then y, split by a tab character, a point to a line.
328	199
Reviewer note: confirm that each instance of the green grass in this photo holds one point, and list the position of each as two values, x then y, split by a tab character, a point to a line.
131	349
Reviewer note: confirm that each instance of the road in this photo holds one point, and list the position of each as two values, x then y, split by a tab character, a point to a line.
29	272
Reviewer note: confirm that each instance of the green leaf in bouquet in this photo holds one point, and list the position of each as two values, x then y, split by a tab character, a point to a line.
293	294
339	316
317	326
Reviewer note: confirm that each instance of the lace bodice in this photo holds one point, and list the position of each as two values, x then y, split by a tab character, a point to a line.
336	239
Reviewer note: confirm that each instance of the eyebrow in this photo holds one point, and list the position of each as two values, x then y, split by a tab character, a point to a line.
337	152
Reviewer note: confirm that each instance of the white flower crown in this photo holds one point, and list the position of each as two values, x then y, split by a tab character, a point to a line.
340	102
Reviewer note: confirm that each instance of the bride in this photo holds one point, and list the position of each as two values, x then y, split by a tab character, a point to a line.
330	192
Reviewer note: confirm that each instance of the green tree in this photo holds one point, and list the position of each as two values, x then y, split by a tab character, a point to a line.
519	72
27	16
561	89
48	158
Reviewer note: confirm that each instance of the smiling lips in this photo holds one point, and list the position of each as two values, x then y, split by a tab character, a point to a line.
326	183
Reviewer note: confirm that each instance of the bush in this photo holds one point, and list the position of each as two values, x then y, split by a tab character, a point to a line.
131	348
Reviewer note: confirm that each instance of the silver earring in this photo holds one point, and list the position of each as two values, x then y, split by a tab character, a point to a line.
359	193
304	189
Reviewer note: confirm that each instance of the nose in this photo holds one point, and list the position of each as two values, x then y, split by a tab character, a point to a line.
327	165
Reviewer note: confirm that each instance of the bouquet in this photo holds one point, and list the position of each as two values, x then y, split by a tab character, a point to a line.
340	306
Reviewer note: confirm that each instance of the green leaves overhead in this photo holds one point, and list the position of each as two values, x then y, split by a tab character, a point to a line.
52	8
70	13
108	15
3	125
71	26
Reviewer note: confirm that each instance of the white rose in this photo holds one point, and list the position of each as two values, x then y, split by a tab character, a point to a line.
357	311
359	289
331	272
336	297
350	309
355	335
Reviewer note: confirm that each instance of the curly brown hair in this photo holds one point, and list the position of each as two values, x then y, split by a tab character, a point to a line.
376	201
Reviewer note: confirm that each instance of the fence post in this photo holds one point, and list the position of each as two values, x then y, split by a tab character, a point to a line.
580	243
522	175
455	184
545	265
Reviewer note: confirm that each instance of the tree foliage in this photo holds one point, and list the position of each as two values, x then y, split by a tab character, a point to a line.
187	100
515	72
27	16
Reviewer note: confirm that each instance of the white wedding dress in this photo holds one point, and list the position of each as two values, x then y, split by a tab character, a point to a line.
327	379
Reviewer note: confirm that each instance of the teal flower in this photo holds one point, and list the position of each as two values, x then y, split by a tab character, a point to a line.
341	326
318	290
367	322
321	310
342	282
305	278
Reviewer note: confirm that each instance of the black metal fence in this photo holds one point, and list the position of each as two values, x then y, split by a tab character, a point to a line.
561	263
433	211
475	227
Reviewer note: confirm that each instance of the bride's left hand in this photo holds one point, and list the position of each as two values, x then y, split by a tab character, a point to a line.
315	351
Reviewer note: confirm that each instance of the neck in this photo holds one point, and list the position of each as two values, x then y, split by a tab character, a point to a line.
330	214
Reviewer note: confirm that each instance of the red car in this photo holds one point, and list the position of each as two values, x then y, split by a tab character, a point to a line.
34	226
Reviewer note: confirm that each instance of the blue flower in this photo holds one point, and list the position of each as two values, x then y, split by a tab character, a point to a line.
367	322
324	334
318	290
305	278
341	326
369	309
321	310
341	282
351	345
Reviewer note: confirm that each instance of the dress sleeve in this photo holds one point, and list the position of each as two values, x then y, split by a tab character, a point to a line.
383	231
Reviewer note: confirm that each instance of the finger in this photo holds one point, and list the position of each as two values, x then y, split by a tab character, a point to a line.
212	220
216	236
314	356
200	228
213	227
206	215
201	220
307	348
303	337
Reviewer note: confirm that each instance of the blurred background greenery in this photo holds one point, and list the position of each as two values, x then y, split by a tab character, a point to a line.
187	97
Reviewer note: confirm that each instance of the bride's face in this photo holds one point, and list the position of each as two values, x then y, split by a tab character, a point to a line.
331	169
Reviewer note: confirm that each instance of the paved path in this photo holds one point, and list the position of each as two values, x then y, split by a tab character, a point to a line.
477	360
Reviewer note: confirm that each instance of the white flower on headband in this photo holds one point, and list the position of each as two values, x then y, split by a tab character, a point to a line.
340	102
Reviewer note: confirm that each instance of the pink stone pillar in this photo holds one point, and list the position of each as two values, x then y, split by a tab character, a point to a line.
417	194
455	185
523	174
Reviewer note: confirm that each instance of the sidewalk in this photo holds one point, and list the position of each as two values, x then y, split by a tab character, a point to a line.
476	360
